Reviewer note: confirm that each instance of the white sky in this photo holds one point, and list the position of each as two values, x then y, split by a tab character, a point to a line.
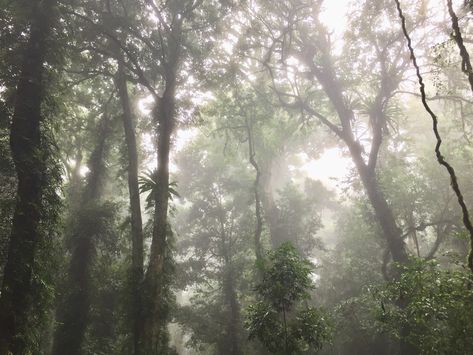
334	15
332	166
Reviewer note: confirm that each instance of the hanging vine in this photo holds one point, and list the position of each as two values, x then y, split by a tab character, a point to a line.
440	158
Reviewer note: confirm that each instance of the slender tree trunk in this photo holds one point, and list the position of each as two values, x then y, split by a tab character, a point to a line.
231	301
366	170
285	326
73	311
229	293
466	66
271	211
25	141
412	227
232	337
256	191
153	319
135	207
391	231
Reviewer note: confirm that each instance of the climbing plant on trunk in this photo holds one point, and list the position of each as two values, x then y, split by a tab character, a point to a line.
26	137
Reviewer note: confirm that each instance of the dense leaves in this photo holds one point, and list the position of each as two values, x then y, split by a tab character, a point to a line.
280	321
233	177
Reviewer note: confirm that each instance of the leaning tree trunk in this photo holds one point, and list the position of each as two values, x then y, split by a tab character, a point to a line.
73	311
382	210
135	207
325	74
366	170
25	140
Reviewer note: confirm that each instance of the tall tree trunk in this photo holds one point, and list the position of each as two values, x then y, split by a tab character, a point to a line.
271	211
73	311
231	342
135	207
366	170
153	319
231	301
25	141
325	74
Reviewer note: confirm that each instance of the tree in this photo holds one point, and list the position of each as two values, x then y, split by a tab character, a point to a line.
278	321
216	233
26	142
92	218
135	205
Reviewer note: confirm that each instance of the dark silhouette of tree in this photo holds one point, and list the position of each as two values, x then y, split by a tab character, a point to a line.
28	156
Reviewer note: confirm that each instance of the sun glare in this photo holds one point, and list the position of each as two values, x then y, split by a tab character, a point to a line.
330	168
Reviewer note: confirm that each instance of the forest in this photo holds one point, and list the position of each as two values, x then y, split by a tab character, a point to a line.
236	177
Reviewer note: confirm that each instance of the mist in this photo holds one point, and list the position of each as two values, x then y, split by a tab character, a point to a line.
220	177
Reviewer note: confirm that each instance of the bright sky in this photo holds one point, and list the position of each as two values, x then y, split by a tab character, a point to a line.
334	15
332	166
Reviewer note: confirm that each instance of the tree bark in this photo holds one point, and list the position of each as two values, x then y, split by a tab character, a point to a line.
256	191
135	207
25	141
153	320
233	321
382	210
73	311
231	341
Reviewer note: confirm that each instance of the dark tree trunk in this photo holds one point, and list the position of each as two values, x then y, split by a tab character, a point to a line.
25	141
73	311
135	207
72	315
233	321
256	192
231	342
382	210
153	320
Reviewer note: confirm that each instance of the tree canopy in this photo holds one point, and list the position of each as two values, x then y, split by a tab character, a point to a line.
236	177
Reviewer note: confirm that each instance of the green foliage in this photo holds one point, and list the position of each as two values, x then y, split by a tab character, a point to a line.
264	323
436	308
279	321
286	278
149	183
439	307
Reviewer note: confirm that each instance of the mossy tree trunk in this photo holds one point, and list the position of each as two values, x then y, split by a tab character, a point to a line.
25	141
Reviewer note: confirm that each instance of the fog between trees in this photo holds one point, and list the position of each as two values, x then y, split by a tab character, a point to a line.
236	177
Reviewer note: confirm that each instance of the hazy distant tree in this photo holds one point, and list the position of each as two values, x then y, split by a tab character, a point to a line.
216	230
88	220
